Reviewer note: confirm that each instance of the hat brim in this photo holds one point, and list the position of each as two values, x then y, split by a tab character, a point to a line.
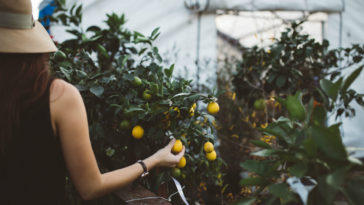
35	40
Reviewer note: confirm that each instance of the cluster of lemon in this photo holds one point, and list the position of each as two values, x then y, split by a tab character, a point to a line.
208	147
268	139
177	148
138	131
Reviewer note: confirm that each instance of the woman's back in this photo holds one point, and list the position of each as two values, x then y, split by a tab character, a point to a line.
34	169
32	157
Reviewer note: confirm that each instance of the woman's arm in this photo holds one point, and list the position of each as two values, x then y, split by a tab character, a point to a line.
70	122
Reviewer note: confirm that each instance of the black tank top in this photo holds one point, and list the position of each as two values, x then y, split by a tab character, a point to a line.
33	170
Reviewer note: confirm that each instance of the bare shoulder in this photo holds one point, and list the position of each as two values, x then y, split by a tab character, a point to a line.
62	91
65	100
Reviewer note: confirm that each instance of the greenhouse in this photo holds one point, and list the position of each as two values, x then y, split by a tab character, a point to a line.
203	102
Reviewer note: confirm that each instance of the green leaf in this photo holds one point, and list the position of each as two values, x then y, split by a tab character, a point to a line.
282	192
279	190
125	59
295	107
327	192
253	181
279	132
264	153
349	80
66	73
102	50
259	167
154	32
330	184
97	90
137	34
93	29
281	81
337	178
169	71
260	143
142	51
298	170
331	89
248	201
79	10
329	141
354	189
133	109
310	146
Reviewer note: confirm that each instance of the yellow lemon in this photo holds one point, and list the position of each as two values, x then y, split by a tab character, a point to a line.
176	109
137	132
213	108
177	147
182	162
192	112
208	147
194	106
211	156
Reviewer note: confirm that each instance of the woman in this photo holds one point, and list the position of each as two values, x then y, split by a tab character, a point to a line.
44	128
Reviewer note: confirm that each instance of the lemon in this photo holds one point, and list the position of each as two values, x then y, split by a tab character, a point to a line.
177	147
176	109
60	56
137	132
194	106
176	172
146	95
259	104
137	81
182	162
211	156
208	147
191	112
213	108
125	124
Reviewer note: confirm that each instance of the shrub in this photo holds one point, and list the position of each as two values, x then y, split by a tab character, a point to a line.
124	83
292	63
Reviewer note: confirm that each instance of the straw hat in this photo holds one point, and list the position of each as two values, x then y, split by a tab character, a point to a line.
19	33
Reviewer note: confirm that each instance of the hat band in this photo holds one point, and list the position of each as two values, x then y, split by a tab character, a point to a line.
16	21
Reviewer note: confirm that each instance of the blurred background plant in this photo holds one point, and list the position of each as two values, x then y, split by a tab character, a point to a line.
292	63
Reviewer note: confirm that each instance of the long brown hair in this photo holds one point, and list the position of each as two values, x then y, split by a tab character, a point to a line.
23	80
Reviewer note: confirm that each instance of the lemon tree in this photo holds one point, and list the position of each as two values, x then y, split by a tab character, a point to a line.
133	102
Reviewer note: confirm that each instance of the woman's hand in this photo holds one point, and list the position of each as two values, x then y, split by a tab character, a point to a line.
166	158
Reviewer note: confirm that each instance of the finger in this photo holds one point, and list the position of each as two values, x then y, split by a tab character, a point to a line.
180	155
171	143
